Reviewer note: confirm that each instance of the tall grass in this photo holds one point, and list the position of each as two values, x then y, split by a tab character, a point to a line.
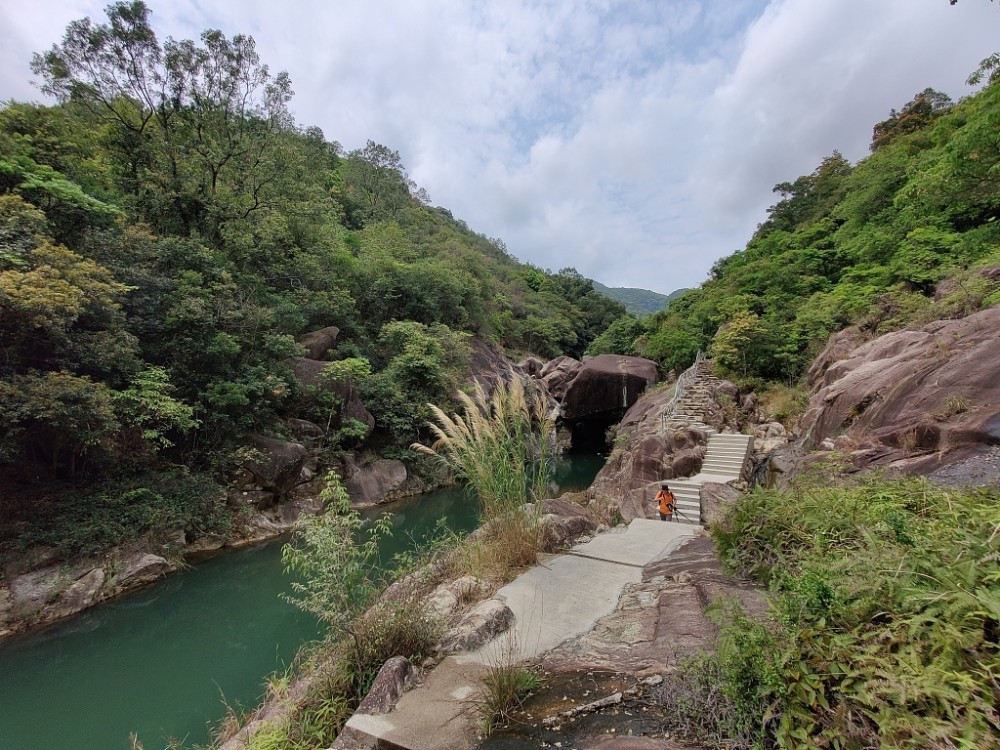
888	599
502	446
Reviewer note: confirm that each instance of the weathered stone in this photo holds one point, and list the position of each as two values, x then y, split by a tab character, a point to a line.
142	568
388	686
558	373
768	436
375	483
303	429
278	463
30	592
478	627
531	366
687	463
446	598
307	373
259	499
931	389
202	547
488	365
560	531
716	498
318	343
81	594
607	385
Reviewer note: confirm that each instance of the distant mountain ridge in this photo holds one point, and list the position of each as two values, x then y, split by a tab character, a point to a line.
638	301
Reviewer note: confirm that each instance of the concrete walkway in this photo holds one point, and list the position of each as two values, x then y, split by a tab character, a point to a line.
556	600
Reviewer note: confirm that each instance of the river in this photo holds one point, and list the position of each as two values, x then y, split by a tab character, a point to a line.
162	664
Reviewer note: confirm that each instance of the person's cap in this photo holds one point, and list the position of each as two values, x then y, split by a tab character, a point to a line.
663	484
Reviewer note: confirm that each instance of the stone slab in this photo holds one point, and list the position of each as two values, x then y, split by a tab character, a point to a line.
440	714
641	543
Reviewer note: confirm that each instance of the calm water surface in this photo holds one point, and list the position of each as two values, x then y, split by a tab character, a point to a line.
160	663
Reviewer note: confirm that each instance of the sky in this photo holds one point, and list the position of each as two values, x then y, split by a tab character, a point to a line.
636	141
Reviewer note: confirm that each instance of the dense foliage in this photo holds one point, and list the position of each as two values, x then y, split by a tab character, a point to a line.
167	232
887	613
865	244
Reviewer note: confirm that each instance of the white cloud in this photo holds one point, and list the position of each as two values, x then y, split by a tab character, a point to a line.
636	141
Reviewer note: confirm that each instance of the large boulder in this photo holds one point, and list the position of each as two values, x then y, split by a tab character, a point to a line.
388	687
277	464
479	626
307	374
933	389
375	483
142	568
716	499
606	386
47	593
318	343
558	373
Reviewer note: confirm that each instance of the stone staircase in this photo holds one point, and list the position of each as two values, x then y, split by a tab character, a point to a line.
727	453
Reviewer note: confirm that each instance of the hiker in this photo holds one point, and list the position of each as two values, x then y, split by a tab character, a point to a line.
665	503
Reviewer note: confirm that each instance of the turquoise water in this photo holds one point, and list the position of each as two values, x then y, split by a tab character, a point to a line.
162	663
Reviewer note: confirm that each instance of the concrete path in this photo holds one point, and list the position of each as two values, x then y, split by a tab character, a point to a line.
556	600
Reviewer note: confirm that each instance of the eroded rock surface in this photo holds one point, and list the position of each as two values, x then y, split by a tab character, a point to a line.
318	343
375	483
607	385
934	389
277	465
478	626
660	620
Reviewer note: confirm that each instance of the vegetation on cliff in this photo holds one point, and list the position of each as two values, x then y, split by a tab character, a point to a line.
866	244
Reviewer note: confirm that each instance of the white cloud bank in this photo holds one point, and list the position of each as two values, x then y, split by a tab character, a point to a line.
636	141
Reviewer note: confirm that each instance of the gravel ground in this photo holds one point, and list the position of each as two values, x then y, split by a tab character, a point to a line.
979	470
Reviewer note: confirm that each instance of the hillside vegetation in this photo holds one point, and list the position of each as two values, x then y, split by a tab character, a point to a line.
167	232
638	302
866	244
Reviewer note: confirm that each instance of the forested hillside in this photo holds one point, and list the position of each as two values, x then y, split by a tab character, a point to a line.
166	233
638	301
867	243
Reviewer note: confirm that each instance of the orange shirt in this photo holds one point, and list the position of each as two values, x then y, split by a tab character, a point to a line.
665	501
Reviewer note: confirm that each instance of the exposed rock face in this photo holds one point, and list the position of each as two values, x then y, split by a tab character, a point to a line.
303	429
557	375
78	596
607	386
768	436
935	389
318	343
389	684
140	569
479	626
447	597
562	523
660	620
715	500
531	366
374	484
307	374
46	594
278	465
489	365
646	455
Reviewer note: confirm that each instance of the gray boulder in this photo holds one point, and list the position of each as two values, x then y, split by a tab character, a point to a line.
142	568
318	343
716	499
277	465
388	686
375	483
478	627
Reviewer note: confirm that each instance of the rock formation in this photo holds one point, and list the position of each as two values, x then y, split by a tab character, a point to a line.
935	389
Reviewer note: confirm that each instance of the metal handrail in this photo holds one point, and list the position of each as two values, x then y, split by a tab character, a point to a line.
683	381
